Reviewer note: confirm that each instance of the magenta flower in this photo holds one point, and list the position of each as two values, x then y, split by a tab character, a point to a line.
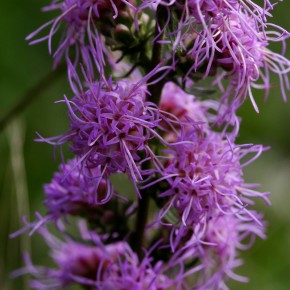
233	35
218	251
245	56
204	177
178	150
79	192
110	124
73	192
183	105
187	107
79	20
92	264
111	127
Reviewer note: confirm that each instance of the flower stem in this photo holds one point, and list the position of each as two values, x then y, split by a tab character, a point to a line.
142	215
143	203
155	89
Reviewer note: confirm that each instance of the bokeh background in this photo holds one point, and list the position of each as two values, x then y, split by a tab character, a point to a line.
26	165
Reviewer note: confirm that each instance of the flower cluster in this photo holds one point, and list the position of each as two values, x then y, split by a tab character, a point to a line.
142	121
81	20
218	254
112	125
93	264
231	35
205	179
71	191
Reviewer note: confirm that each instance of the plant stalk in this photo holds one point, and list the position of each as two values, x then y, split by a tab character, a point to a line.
144	203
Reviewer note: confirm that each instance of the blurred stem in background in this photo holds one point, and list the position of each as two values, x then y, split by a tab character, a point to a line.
17	200
34	92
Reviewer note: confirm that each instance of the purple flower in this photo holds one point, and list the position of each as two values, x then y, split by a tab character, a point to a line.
76	191
183	105
80	29
243	53
112	125
204	11
233	35
92	264
217	254
174	101
72	192
205	176
132	274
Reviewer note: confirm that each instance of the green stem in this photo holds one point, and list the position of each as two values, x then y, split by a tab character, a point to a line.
144	202
155	90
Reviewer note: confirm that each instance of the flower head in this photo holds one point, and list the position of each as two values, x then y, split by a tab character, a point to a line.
204	177
111	126
218	252
183	105
228	40
90	263
72	192
247	61
234	36
80	21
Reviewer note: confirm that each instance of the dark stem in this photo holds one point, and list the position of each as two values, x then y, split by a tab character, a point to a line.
31	95
142	215
143	203
155	90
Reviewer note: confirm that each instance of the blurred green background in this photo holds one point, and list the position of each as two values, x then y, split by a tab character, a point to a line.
26	165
